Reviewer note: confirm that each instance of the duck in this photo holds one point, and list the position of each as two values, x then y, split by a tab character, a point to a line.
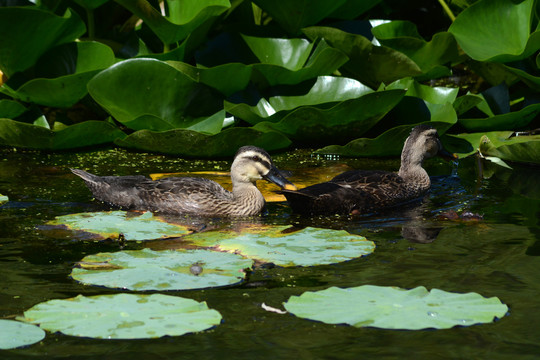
359	192
193	195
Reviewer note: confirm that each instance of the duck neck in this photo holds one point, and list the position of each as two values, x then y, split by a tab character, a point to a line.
414	174
248	200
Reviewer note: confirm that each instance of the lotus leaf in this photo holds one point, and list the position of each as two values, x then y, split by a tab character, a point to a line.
395	308
148	87
63	74
305	247
15	334
497	30
343	122
513	120
183	17
524	149
22	24
146	269
14	133
195	144
110	224
123	316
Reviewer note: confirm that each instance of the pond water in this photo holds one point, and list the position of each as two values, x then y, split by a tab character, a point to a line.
497	256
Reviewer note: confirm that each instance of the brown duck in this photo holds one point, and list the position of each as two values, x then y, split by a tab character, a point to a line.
363	191
191	195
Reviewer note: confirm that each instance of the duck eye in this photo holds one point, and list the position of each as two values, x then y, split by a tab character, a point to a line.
255	158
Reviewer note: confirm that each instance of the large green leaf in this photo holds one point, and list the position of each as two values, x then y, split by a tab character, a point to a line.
123	316
146	269
327	89
88	133
283	247
370	64
110	224
510	121
395	308
524	149
66	70
293	15
390	143
404	37
497	30
27	32
340	123
15	334
184	17
10	109
151	88
196	144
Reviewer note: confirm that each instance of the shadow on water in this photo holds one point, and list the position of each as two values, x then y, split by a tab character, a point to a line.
416	246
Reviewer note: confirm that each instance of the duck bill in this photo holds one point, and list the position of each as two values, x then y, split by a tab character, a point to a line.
446	155
275	176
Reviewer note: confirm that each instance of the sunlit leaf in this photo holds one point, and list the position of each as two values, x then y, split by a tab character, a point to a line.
110	224
396	308
509	121
14	334
146	269
3	199
305	247
123	316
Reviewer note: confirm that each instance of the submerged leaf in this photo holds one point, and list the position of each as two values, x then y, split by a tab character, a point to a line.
123	316
395	308
113	223
14	334
305	247
146	269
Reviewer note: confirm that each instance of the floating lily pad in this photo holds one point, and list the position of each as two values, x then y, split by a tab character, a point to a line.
162	270
395	308
14	334
110	224
123	316
306	247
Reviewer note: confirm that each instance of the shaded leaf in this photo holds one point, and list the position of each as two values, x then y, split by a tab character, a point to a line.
146	269
510	121
306	247
395	308
110	224
123	316
14	334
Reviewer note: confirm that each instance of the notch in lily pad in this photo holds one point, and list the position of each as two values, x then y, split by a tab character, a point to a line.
142	270
110	224
396	308
283	247
123	316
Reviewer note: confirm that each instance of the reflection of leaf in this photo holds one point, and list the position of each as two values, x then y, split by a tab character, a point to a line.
123	316
395	308
113	223
162	270
305	247
15	334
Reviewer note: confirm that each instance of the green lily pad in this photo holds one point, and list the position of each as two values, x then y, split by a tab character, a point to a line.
306	247
123	316
19	25
497	30
63	74
110	224
525	149
3	199
395	308
88	133
14	334
196	144
156	90
146	269
11	109
509	121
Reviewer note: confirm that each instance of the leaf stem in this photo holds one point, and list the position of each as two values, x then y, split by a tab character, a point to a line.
447	10
91	25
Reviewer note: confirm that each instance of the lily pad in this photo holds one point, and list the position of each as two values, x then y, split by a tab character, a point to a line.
14	334
3	199
396	308
306	247
123	316
110	224
162	270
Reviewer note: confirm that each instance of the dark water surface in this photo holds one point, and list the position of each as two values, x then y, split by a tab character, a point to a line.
498	256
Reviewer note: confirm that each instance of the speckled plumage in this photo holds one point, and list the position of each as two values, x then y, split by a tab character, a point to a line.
364	191
190	195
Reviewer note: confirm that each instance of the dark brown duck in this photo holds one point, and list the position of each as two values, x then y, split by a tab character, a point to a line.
363	191
190	195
